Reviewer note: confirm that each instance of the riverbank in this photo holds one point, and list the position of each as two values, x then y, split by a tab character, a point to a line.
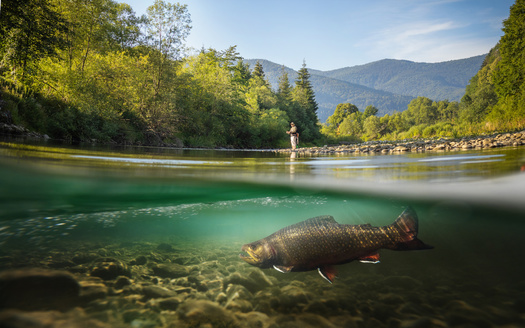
514	139
509	139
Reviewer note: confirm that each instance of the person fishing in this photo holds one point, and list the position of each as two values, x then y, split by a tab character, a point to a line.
294	136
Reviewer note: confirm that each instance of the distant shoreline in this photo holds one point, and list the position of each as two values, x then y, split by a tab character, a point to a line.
497	140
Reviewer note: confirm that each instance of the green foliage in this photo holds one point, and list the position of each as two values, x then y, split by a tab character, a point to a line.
341	112
370	111
306	106
29	31
102	73
509	75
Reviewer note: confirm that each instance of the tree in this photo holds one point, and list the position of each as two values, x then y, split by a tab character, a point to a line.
124	32
284	89
351	125
303	82
305	106
420	111
29	31
370	111
509	77
372	127
341	112
241	73
258	70
167	27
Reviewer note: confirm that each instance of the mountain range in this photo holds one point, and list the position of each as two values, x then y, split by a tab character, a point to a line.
387	84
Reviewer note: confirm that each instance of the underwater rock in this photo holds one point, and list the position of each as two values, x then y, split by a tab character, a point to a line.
121	282
82	258
38	289
254	319
293	297
169	304
247	282
109	268
163	247
260	278
92	289
303	321
49	319
171	270
157	292
238	299
141	318
201	312
140	260
239	306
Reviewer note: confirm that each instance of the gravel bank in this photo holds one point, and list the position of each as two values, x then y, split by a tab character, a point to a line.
381	147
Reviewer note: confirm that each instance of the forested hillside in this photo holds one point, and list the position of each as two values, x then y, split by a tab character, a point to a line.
388	84
445	80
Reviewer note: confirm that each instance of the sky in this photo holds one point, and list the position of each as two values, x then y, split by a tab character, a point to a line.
332	34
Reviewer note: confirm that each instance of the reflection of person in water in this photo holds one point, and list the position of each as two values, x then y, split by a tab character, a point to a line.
294	136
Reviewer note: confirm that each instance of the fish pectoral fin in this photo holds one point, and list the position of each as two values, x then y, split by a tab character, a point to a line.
370	258
328	272
282	268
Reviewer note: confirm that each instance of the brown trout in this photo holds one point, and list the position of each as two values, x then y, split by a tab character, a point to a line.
320	243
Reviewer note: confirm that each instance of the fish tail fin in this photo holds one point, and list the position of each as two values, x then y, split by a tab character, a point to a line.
406	226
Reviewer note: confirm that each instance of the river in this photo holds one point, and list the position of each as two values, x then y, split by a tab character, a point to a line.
152	236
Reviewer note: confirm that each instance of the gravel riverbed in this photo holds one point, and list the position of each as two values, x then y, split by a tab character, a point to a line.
148	284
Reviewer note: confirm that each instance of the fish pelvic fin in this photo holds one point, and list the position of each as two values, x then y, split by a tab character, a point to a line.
282	268
406	226
328	272
372	258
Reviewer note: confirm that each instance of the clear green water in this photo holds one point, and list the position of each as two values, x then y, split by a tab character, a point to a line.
471	207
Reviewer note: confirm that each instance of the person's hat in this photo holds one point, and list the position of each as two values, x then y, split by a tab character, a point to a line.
292	123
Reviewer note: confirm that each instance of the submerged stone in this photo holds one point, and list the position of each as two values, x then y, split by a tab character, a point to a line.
38	289
171	270
109	268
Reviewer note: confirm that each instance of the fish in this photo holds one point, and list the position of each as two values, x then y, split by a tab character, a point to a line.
321	243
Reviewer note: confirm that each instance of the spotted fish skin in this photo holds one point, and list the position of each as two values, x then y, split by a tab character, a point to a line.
321	242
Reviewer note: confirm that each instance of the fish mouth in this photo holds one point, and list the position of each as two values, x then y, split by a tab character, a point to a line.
248	256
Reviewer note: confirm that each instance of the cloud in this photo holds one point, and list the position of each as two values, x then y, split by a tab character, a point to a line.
423	41
419	29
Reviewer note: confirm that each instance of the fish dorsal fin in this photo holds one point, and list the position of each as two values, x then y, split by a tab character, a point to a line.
321	220
282	268
328	272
